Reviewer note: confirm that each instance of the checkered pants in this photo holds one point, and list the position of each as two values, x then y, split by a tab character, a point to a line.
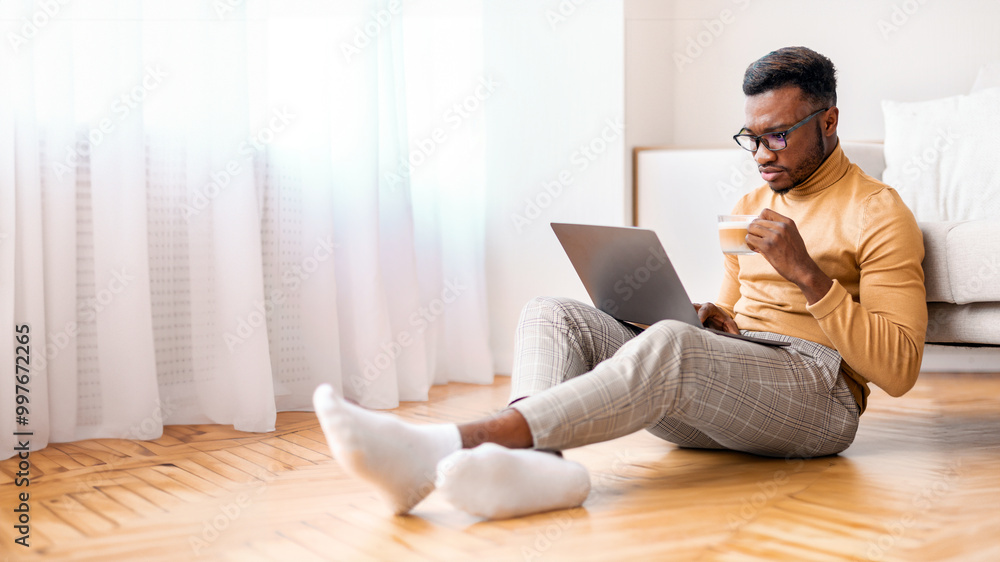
582	377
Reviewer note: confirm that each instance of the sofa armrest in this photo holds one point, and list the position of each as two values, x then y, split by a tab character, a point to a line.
962	261
869	156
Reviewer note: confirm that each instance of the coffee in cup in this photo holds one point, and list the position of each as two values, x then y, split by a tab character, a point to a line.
733	233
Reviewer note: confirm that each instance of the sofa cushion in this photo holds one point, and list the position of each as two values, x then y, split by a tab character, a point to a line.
943	156
962	261
936	277
970	323
974	262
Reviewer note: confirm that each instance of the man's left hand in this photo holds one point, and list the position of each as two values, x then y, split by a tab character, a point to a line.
776	237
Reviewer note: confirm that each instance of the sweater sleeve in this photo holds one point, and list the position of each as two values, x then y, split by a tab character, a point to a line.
729	293
881	336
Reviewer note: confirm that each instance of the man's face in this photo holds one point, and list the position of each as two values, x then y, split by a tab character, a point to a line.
778	110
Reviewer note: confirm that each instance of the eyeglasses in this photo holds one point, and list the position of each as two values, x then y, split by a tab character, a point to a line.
772	141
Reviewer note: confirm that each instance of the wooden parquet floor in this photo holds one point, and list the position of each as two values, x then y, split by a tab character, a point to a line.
921	482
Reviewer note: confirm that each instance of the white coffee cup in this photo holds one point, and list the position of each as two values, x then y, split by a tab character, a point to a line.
733	233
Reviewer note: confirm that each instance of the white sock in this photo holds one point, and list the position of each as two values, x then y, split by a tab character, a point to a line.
399	458
495	482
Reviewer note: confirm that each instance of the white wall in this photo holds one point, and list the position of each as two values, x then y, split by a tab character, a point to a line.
685	58
561	85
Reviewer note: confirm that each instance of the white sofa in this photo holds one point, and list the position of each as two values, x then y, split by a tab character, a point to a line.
679	192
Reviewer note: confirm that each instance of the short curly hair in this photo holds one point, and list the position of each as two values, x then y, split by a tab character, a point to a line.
812	72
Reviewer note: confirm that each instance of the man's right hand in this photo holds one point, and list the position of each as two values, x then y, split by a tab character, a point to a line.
712	316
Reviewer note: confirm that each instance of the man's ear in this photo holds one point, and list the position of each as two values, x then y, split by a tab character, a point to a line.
830	121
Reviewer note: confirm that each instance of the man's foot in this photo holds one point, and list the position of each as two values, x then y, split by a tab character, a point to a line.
494	482
399	458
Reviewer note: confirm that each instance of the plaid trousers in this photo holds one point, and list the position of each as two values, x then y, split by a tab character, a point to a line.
582	377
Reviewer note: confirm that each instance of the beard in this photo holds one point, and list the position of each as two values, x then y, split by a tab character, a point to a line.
812	162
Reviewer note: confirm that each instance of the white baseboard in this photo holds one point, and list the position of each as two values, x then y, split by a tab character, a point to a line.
947	358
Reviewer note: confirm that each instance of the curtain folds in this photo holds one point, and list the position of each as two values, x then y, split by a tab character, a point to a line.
207	210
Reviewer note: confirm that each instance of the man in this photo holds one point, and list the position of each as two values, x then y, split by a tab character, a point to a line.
837	273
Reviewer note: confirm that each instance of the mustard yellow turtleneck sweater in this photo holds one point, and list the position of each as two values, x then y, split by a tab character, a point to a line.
863	237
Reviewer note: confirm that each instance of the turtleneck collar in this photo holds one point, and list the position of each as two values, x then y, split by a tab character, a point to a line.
829	172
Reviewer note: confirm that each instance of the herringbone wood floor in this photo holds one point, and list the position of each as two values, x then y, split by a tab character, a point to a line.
922	482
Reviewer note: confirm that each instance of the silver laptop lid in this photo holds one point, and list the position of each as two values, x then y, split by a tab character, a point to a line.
626	273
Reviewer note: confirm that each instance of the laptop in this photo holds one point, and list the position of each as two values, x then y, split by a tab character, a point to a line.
628	275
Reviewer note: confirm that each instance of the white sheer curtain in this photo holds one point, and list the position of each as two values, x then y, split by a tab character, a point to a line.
208	208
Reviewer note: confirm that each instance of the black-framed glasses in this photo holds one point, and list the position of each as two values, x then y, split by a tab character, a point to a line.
772	141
